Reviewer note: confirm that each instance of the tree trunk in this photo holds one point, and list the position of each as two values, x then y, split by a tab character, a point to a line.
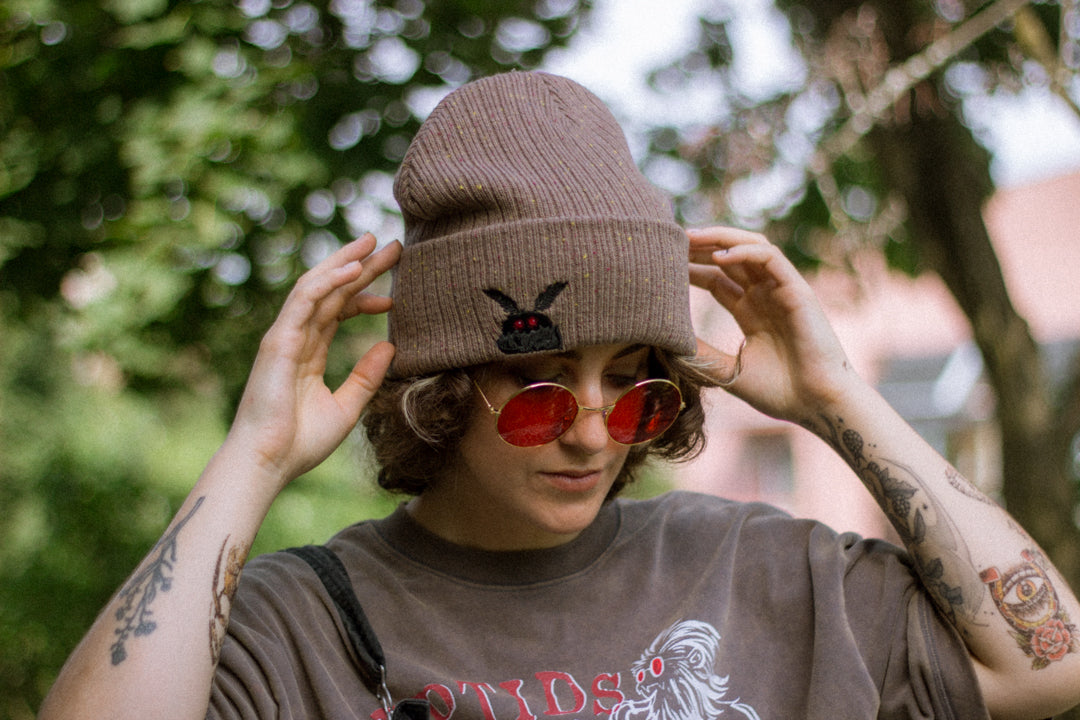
930	162
935	164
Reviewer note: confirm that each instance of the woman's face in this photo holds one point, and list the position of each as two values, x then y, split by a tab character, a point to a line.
496	496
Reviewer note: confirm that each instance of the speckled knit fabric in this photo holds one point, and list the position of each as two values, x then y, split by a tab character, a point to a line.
528	228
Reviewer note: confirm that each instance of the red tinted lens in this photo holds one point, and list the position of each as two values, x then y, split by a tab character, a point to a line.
644	412
537	415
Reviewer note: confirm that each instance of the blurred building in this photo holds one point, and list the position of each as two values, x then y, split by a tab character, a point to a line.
909	337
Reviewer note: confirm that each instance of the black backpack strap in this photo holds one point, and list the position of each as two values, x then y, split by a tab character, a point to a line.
372	663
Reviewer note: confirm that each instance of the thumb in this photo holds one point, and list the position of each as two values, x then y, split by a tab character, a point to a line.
365	378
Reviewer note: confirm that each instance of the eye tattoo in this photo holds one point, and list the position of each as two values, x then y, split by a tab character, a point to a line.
1027	600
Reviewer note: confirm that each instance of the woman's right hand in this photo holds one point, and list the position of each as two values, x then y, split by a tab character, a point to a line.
288	420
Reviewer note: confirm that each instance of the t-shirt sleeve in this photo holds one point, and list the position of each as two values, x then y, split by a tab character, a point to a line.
813	623
923	666
283	652
943	678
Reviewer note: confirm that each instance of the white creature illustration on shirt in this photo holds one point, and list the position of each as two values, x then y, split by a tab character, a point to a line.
675	678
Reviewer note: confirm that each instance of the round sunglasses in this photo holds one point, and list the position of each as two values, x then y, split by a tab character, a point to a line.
542	412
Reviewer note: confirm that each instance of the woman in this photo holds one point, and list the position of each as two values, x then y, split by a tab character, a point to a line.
540	349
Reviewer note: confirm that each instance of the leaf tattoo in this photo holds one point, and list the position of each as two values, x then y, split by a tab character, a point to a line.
226	580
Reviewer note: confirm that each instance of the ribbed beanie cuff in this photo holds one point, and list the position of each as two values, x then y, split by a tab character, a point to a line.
528	228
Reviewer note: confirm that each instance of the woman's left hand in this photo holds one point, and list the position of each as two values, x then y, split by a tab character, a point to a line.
791	363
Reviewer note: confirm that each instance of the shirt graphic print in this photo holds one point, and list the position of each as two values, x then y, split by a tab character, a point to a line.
675	678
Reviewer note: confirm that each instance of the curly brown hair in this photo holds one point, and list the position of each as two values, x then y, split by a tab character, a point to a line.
415	424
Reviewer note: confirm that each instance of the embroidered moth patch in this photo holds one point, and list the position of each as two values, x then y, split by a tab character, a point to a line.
526	331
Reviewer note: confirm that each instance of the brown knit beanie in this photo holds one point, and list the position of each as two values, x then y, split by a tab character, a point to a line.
528	229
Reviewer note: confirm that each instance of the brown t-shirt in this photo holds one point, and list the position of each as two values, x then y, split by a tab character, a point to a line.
684	607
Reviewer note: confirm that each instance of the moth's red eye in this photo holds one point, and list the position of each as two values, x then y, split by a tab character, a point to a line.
657	667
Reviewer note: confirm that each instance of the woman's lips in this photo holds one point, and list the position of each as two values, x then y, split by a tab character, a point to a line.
574	480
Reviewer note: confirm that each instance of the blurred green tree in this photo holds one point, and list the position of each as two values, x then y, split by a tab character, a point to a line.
878	156
167	169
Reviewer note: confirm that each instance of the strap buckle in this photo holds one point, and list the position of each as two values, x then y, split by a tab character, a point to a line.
384	693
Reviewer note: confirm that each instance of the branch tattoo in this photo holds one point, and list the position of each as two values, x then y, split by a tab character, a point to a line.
945	565
134	614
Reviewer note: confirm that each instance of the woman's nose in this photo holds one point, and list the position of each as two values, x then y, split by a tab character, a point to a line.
589	430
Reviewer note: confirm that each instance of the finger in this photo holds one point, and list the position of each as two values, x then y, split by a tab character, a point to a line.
350	252
704	241
725	235
340	268
385	258
365	378
332	289
364	304
348	269
733	271
353	299
343	266
378	263
757	264
308	320
714	280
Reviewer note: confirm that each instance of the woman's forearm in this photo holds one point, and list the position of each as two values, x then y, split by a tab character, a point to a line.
153	649
985	574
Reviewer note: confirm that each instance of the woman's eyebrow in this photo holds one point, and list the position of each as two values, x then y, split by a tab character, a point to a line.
629	350
575	354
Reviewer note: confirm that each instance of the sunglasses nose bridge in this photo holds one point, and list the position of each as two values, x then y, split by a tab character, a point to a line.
604	410
585	431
